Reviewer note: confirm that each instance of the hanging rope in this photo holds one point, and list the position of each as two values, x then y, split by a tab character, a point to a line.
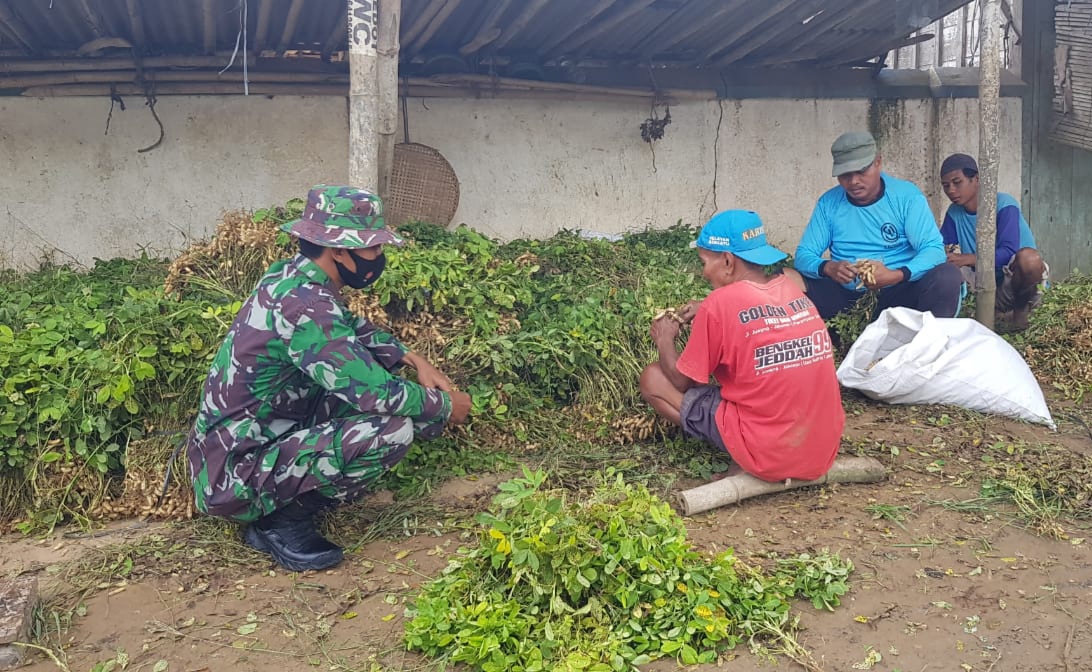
150	101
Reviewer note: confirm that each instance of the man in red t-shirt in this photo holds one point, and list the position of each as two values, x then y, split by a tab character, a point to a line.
776	407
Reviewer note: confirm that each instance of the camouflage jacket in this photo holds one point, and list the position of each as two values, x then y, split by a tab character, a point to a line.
293	342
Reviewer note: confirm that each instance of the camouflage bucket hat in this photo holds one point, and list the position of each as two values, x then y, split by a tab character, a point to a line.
342	217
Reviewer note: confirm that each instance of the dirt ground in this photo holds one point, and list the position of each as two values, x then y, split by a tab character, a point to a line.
942	589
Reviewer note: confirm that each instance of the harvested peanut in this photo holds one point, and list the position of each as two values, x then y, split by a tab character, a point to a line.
866	271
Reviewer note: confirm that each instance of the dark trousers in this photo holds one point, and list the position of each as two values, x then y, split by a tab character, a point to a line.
938	292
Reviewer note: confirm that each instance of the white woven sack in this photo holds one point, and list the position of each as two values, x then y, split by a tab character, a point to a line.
910	357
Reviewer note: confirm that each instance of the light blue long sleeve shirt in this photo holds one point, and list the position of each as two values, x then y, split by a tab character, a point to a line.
898	230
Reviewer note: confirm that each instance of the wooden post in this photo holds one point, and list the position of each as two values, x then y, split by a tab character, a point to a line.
989	154
390	14
363	95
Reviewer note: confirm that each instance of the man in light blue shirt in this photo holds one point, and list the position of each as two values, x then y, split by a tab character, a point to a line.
1019	267
873	216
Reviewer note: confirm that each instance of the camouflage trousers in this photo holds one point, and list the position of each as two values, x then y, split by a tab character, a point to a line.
340	456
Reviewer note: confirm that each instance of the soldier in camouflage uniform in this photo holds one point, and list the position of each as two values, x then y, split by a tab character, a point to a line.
302	408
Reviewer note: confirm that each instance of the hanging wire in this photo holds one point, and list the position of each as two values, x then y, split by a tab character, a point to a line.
241	37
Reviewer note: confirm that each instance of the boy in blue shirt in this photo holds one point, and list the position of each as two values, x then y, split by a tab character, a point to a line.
873	216
1019	266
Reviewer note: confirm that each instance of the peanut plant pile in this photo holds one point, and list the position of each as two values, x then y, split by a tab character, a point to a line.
606	584
102	369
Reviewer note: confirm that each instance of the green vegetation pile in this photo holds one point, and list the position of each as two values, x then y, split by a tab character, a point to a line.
1058	343
102	369
604	585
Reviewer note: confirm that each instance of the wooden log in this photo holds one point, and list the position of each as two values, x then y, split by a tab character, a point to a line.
95	64
532	8
488	32
413	91
186	89
735	489
487	82
208	13
433	27
495	87
390	12
290	23
989	156
108	76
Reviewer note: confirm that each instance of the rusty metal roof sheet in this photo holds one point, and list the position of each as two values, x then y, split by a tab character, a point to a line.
703	33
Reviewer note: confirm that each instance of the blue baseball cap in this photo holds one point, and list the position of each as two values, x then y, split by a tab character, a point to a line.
740	232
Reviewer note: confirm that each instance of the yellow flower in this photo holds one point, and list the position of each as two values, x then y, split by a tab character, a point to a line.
709	628
714	594
703	611
681	587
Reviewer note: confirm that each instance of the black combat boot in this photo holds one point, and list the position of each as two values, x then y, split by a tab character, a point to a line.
289	535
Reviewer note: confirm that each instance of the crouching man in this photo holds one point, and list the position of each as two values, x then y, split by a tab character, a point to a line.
302	409
1019	268
776	407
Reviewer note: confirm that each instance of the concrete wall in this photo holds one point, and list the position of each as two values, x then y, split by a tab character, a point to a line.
526	168
529	168
68	190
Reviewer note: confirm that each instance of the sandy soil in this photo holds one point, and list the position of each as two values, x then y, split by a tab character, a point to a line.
943	590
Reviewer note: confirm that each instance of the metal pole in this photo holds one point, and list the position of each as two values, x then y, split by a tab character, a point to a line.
390	12
989	155
363	95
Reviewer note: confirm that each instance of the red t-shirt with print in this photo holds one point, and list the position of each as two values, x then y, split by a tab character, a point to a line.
770	352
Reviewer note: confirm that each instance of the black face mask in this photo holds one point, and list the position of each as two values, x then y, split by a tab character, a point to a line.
367	270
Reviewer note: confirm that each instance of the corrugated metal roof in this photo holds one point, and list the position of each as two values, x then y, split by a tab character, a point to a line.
742	32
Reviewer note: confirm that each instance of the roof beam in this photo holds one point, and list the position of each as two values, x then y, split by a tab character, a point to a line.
136	24
747	26
433	26
290	24
489	31
424	17
339	34
208	12
265	14
520	22
14	26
